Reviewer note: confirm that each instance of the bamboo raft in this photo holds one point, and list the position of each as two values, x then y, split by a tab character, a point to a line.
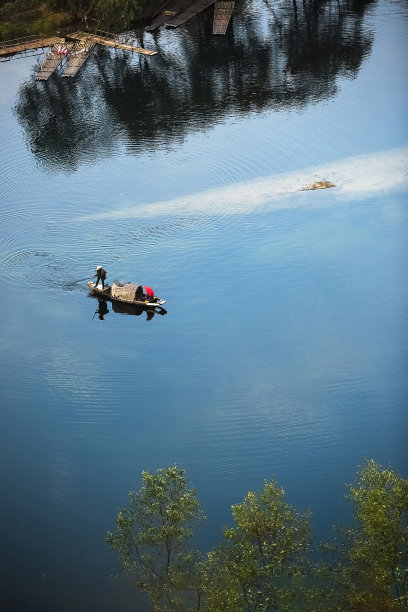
52	61
169	10
195	7
160	20
222	16
78	56
179	11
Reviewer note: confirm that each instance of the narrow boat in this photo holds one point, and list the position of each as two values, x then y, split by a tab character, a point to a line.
127	293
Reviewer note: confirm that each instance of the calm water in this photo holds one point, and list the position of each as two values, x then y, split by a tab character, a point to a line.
284	348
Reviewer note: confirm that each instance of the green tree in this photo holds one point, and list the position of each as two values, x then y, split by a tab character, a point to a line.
371	570
77	8
114	14
261	563
152	539
118	14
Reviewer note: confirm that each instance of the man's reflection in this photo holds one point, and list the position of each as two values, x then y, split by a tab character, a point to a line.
102	310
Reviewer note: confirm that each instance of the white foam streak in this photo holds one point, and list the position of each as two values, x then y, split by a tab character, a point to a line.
355	178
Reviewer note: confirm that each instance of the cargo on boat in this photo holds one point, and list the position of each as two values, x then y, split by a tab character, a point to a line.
127	293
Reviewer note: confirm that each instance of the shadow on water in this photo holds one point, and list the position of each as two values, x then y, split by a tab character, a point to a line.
280	56
103	310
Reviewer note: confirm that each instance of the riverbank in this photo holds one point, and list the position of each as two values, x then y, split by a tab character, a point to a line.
39	20
17	21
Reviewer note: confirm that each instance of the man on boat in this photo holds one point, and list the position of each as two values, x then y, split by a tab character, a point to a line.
100	276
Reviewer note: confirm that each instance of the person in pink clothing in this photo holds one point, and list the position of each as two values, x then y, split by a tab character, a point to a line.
149	294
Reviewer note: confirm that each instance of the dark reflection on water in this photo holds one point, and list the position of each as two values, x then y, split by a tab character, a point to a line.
125	309
277	57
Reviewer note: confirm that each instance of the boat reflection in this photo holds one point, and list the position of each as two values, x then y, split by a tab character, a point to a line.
126	309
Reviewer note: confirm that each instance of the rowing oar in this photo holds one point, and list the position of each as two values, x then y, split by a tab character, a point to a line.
80	280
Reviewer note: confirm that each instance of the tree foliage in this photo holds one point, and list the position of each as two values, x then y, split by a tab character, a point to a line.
152	538
263	562
371	558
112	14
119	14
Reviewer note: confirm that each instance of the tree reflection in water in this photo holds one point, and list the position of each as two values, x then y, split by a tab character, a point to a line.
282	55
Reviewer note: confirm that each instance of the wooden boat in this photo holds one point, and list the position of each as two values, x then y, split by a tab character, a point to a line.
141	300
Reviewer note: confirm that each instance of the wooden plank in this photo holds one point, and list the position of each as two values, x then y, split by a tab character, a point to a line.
111	42
222	15
78	57
195	7
52	61
117	45
160	20
10	49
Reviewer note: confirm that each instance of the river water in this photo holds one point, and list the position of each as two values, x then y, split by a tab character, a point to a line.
283	351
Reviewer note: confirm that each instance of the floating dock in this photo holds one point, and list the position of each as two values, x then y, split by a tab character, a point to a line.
79	46
193	9
54	59
222	16
29	43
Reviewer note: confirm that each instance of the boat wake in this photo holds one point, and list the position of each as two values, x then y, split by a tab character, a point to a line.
354	178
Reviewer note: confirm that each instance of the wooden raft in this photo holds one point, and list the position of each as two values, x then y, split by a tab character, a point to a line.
195	7
222	16
52	61
78	56
170	9
20	45
160	20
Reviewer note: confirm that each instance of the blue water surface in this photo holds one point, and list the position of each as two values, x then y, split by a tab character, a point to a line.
284	348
